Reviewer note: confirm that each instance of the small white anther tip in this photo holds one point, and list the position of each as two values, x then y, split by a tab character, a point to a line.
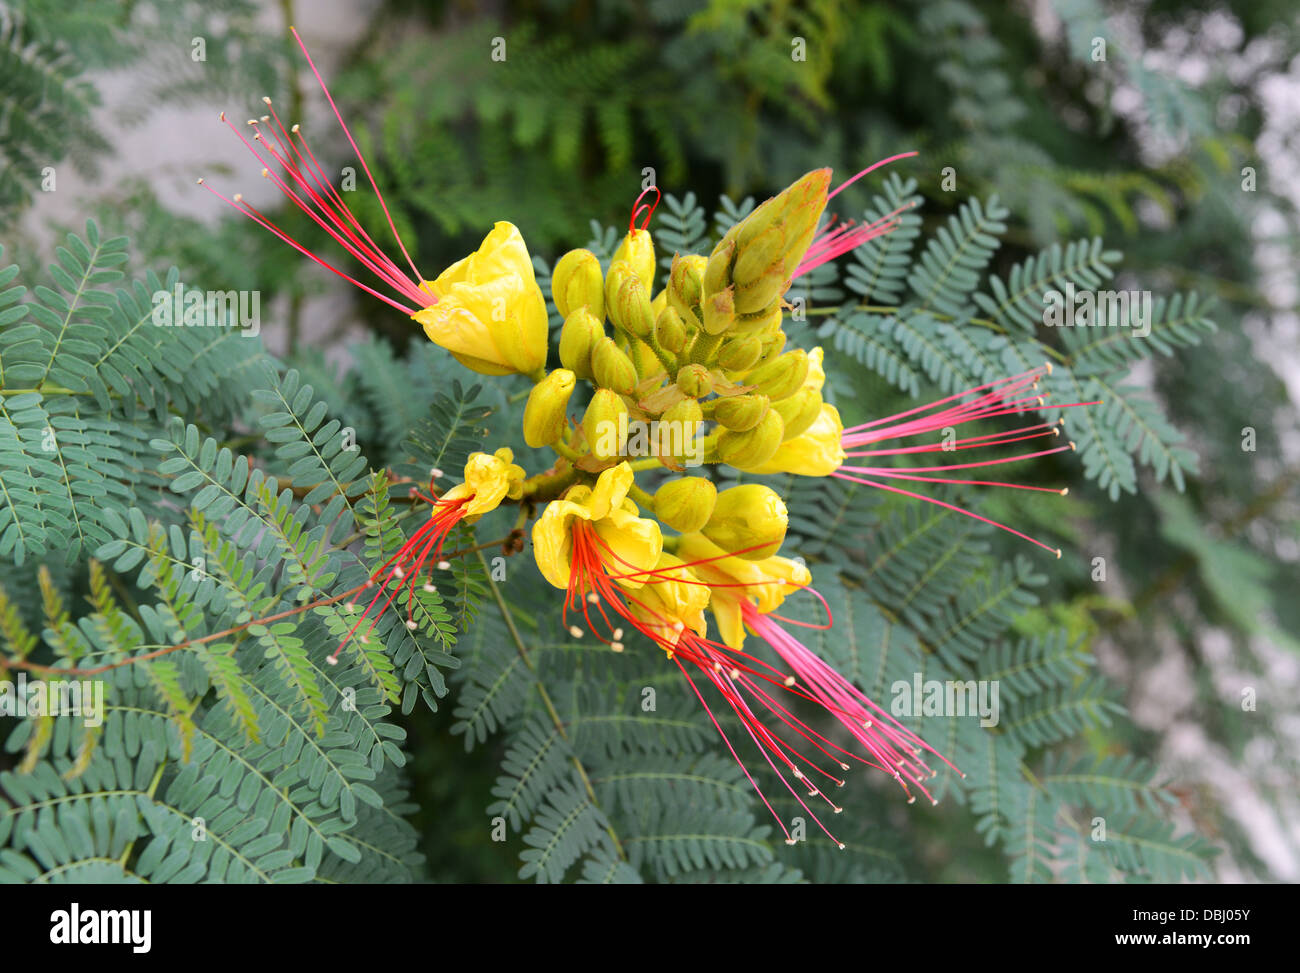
444	565
412	624
429	588
332	660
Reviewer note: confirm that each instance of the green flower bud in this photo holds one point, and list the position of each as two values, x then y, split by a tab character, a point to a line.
762	323
719	312
717	272
627	302
637	250
741	412
612	368
605	425
752	448
755	258
740	354
781	377
762	291
545	413
694	380
771	347
576	282
686	503
686	287
670	332
799	411
582	329
749	521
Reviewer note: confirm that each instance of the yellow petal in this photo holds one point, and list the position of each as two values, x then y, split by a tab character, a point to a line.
632	544
816	452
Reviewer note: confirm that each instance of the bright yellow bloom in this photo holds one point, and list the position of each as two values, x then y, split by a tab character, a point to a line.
627	542
488	481
817	451
490	312
734	580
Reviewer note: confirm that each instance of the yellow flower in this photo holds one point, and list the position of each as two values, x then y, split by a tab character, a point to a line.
733	580
629	543
815	452
488	481
490	313
673	602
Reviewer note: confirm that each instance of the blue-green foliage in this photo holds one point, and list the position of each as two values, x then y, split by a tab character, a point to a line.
225	489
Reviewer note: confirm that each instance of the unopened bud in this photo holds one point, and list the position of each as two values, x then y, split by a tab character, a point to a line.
782	377
717	272
686	503
686	412
719	311
670	332
576	282
752	448
627	302
637	249
695	381
748	520
763	323
741	412
686	287
605	425
740	354
612	368
799	411
545	413
582	329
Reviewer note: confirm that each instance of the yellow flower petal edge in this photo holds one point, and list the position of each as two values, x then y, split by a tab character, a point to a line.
733	580
489	479
815	452
490	313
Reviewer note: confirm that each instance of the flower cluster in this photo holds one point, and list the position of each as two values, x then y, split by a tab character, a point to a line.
700	356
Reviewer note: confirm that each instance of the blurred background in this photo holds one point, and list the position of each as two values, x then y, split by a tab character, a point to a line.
1169	128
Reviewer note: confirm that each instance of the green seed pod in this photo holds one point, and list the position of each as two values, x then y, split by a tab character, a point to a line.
752	448
670	332
741	412
605	425
612	367
686	503
694	380
582	329
740	354
781	377
799	411
576	282
545	413
749	521
637	249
